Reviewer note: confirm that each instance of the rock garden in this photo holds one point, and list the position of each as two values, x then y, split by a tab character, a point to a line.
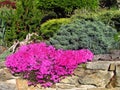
59	45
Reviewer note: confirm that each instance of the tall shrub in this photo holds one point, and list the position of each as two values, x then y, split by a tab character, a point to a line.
94	35
5	15
26	19
64	8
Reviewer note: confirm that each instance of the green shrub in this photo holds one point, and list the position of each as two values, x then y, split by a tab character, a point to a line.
64	8
5	15
26	19
110	17
93	35
50	27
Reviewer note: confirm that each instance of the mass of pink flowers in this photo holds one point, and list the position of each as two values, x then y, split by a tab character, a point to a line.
40	63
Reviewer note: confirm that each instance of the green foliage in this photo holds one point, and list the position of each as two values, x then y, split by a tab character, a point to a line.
50	27
93	35
2	31
48	15
108	3
5	14
4	55
110	17
65	8
26	19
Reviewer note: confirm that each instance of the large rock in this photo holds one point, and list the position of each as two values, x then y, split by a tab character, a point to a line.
98	78
98	65
101	65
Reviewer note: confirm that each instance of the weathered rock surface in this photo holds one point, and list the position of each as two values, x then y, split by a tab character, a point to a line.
2	64
99	65
64	86
7	86
5	75
73	80
99	78
113	56
118	75
102	57
2	49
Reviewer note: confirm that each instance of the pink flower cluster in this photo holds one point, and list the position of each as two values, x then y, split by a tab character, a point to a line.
44	64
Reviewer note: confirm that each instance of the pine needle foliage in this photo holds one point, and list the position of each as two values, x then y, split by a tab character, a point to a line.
93	35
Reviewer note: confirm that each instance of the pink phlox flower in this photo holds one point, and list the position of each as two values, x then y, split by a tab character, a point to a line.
50	65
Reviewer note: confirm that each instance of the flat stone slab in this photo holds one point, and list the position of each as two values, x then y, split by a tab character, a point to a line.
100	78
100	65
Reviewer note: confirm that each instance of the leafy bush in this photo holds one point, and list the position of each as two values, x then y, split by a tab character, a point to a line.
48	28
5	15
110	17
43	64
64	8
94	35
24	20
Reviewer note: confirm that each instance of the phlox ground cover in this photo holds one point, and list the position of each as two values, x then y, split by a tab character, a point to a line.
43	64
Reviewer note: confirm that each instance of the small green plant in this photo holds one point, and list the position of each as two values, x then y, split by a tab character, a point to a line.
93	35
49	28
84	65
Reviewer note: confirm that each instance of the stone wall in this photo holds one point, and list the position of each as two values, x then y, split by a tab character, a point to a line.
96	75
103	73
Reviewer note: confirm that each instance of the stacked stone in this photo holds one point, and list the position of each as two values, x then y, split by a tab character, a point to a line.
103	73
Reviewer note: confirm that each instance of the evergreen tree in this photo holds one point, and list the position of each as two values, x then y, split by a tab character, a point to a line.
26	19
